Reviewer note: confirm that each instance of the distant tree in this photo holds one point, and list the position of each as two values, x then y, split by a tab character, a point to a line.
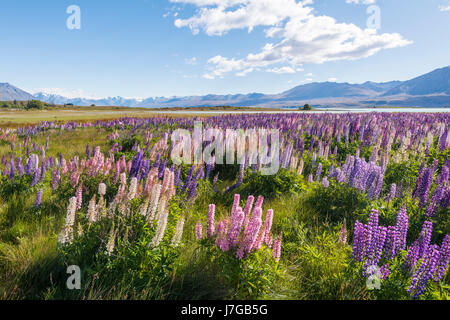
93	105
69	104
34	104
307	107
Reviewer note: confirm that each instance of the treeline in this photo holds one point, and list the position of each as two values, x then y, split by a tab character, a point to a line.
25	105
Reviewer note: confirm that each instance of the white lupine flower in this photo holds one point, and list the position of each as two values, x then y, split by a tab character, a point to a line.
102	189
144	208
111	242
162	223
154	200
66	235
92	211
160	211
132	189
178	232
71	210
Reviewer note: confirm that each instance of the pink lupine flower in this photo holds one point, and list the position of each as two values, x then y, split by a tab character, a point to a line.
237	198
211	224
198	231
247	210
268	225
79	196
235	228
259	202
250	235
277	248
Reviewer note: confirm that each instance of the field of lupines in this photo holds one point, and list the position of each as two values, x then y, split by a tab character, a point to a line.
359	209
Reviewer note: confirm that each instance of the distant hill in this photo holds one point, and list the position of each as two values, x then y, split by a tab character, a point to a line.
429	90
435	82
10	93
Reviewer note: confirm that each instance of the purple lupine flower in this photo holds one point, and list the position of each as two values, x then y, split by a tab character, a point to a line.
19	167
325	182
444	259
435	200
35	177
88	151
443	141
192	190
38	201
12	168
177	180
385	271
392	192
319	172
424	272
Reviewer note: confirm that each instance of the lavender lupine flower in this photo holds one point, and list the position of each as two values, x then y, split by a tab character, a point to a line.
210	230
38	201
88	151
310	178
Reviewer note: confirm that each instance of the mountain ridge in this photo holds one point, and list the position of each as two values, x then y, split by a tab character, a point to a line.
428	90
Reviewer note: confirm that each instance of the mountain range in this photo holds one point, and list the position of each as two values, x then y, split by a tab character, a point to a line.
429	90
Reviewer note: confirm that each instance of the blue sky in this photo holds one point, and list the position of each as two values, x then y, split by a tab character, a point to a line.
139	48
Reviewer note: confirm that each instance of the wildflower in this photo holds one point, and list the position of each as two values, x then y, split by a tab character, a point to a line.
178	232
210	230
277	248
37	203
343	233
102	189
198	231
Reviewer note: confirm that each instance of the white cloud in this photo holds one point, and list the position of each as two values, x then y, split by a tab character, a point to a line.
309	74
192	61
298	35
361	1
332	79
444	8
282	70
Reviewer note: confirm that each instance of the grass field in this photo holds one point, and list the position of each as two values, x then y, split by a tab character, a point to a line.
314	210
